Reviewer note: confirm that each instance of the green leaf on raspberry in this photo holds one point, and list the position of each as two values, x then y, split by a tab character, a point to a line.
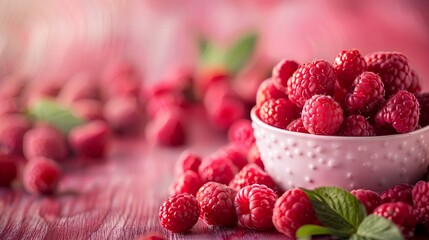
50	111
375	227
306	231
337	209
240	52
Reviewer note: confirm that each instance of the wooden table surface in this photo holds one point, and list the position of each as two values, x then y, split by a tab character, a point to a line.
117	198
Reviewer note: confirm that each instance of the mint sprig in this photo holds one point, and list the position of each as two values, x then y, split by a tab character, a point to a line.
52	112
343	215
232	58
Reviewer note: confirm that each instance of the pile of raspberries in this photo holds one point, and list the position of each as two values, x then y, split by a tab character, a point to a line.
379	94
230	188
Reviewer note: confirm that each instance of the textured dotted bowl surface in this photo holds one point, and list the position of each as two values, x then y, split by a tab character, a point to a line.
310	161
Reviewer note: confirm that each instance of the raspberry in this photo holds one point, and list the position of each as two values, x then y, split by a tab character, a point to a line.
254	156
393	69
217	204
292	210
186	182
90	139
123	115
398	193
296	126
205	79
367	95
12	130
254	206
415	85
402	214
340	95
282	72
266	91
188	161
356	125
162	101
423	99
317	77
401	112
369	199
80	86
167	128
88	109
9	105
241	132
322	115
8	169
251	174
420	194
41	175
179	213
45	141
217	169
227	111
348	65
235	153
278	112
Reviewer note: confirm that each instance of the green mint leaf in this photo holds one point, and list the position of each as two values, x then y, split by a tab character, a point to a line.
211	55
337	209
240	52
375	227
50	111
306	231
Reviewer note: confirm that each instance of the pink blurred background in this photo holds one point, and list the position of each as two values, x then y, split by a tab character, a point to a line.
53	39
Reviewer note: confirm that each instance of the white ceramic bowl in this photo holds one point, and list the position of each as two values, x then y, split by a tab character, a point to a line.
303	160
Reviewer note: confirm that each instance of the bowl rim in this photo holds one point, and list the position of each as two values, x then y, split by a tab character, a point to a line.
258	121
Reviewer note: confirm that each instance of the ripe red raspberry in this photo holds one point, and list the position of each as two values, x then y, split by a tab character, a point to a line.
9	106
217	169
241	132
420	194
188	161
401	112
179	213
402	214
367	96
251	174
292	210
348	65
266	91
282	72
254	156
209	77
123	114
356	125
45	141
297	126
186	182
235	153
90	139
398	193
8	169
88	109
322	115
278	112
167	128
317	77
12	130
415	85
217	204
254	206
159	102
340	95
80	86
369	199
423	99
227	111
41	175
393	69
